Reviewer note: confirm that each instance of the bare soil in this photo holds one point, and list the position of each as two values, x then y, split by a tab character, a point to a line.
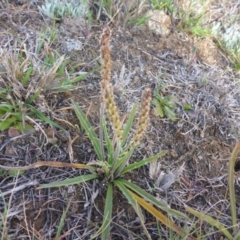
202	138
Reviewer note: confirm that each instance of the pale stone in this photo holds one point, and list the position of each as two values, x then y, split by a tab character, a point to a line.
159	22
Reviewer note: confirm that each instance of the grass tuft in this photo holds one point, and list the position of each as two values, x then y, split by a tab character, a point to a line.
24	83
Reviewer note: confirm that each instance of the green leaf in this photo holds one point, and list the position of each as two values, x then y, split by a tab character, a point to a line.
151	199
3	219
171	101
101	133
107	218
15	173
129	124
231	184
2	113
158	111
89	130
34	96
7	123
210	221
122	162
3	92
78	78
27	76
61	223
187	107
69	181
170	114
161	217
68	85
6	107
133	202
155	102
20	128
109	145
139	164
44	118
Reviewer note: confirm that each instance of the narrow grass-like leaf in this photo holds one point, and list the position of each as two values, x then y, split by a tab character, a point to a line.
232	162
104	230
20	128
18	115
7	123
15	173
6	107
133	202
69	181
101	131
129	123
3	219
67	85
156	213
61	223
122	162
151	199
43	118
78	78
210	221
89	130
25	80
34	96
117	152
2	113
107	213
139	164
109	144
237	236
3	93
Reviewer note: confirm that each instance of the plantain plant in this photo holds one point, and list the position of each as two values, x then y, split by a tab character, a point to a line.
114	154
164	105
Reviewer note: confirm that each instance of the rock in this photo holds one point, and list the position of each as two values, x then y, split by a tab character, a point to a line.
159	22
73	45
9	151
207	51
13	132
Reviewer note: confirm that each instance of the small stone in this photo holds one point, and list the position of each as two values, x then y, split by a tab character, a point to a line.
159	22
71	189
13	132
174	153
136	79
207	51
9	151
73	45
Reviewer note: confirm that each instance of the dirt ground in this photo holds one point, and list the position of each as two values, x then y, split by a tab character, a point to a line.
193	71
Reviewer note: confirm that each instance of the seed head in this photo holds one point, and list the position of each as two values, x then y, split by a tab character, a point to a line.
106	55
111	109
143	117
